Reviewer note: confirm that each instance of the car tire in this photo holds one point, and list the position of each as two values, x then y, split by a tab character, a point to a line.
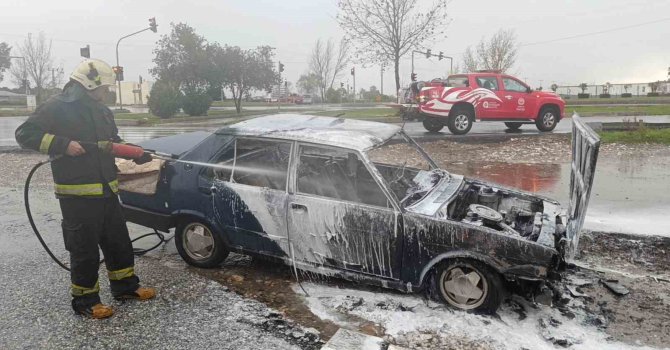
199	245
547	119
468	285
433	124
460	121
513	125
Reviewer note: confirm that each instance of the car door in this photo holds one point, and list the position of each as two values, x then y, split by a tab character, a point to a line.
339	217
249	194
517	101
488	103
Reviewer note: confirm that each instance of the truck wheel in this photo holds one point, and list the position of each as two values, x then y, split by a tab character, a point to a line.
468	285
547	119
198	245
433	124
460	121
513	125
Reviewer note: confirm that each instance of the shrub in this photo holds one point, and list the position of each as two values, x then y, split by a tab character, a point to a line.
164	100
196	103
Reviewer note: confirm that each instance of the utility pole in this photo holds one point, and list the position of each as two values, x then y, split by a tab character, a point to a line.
353	73
382	85
153	28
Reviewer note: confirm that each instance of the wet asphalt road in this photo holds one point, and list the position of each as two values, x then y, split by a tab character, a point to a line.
190	312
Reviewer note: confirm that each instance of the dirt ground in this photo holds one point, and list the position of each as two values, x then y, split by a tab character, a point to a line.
640	264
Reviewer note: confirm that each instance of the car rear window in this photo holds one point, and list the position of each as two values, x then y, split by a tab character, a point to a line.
458	81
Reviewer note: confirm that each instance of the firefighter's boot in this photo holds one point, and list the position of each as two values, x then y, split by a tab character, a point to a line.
142	293
97	311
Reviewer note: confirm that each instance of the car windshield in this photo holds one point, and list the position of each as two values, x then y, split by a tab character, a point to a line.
408	170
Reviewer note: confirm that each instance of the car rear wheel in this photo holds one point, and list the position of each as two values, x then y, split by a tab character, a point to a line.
468	285
460	121
547	119
513	125
433	124
198	245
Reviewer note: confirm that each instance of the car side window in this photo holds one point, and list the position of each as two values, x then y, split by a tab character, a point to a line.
490	83
513	85
458	81
261	163
338	174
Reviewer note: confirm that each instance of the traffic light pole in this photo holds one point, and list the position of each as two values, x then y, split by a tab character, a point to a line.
117	63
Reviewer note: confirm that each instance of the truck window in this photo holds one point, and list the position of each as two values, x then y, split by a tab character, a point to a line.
458	81
513	85
490	83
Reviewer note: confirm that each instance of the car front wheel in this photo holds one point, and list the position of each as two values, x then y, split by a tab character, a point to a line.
547	119
433	124
468	285
460	121
198	245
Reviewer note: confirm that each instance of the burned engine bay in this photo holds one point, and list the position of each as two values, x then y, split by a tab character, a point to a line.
504	210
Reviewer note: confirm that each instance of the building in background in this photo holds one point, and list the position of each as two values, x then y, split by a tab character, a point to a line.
134	93
10	98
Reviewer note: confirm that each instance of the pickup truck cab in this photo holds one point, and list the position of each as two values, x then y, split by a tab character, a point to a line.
461	99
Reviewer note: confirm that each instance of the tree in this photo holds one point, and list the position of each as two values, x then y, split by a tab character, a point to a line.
583	86
327	64
164	99
386	30
37	66
654	86
308	83
244	70
498	53
182	59
554	87
5	61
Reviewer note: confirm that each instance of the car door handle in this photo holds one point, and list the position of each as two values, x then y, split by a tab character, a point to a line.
509	97
298	208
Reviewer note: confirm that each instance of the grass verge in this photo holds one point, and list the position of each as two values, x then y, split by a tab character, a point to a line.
587	111
364	113
642	135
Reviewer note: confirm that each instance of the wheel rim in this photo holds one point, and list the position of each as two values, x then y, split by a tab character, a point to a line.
548	119
198	241
464	287
461	122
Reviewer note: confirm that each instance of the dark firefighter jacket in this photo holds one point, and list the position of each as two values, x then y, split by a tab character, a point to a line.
74	116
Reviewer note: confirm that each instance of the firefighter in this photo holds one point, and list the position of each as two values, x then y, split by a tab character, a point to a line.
78	128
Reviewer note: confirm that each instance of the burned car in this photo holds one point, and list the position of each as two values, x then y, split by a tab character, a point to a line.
358	200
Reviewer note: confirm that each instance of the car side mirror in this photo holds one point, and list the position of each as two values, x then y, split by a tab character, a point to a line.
529	90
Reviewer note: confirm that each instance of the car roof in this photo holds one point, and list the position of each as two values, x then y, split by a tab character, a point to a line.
347	133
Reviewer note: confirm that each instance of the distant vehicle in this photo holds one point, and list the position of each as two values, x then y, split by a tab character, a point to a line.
307	99
362	201
483	96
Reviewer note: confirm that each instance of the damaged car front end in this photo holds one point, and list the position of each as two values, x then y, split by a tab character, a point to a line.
363	201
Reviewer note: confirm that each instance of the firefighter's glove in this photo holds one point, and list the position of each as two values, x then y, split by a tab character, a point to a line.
105	147
145	158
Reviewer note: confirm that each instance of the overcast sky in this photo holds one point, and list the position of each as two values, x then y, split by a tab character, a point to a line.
634	54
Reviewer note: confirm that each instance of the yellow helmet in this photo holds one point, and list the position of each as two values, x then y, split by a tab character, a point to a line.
93	73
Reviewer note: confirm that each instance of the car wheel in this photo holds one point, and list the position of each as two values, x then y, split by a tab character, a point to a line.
198	245
513	125
433	124
547	119
468	285
460	121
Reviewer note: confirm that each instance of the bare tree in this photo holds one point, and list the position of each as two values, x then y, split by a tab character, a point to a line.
498	53
386	30
37	65
5	62
327	63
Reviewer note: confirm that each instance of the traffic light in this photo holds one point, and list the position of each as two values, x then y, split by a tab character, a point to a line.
428	53
413	76
440	56
118	70
85	51
281	67
353	70
152	24
341	85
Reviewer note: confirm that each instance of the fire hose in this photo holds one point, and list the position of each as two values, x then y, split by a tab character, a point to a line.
118	150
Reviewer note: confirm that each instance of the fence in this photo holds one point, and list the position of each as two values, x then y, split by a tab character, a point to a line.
614	90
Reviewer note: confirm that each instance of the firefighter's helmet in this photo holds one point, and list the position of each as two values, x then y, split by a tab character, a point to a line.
93	73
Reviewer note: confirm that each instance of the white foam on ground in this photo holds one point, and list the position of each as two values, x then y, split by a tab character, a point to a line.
641	221
427	317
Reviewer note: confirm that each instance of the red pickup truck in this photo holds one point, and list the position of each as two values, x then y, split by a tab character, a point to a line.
484	96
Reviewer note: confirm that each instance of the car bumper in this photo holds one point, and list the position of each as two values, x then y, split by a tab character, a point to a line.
158	221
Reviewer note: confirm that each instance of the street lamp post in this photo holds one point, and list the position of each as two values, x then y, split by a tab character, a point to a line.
152	27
